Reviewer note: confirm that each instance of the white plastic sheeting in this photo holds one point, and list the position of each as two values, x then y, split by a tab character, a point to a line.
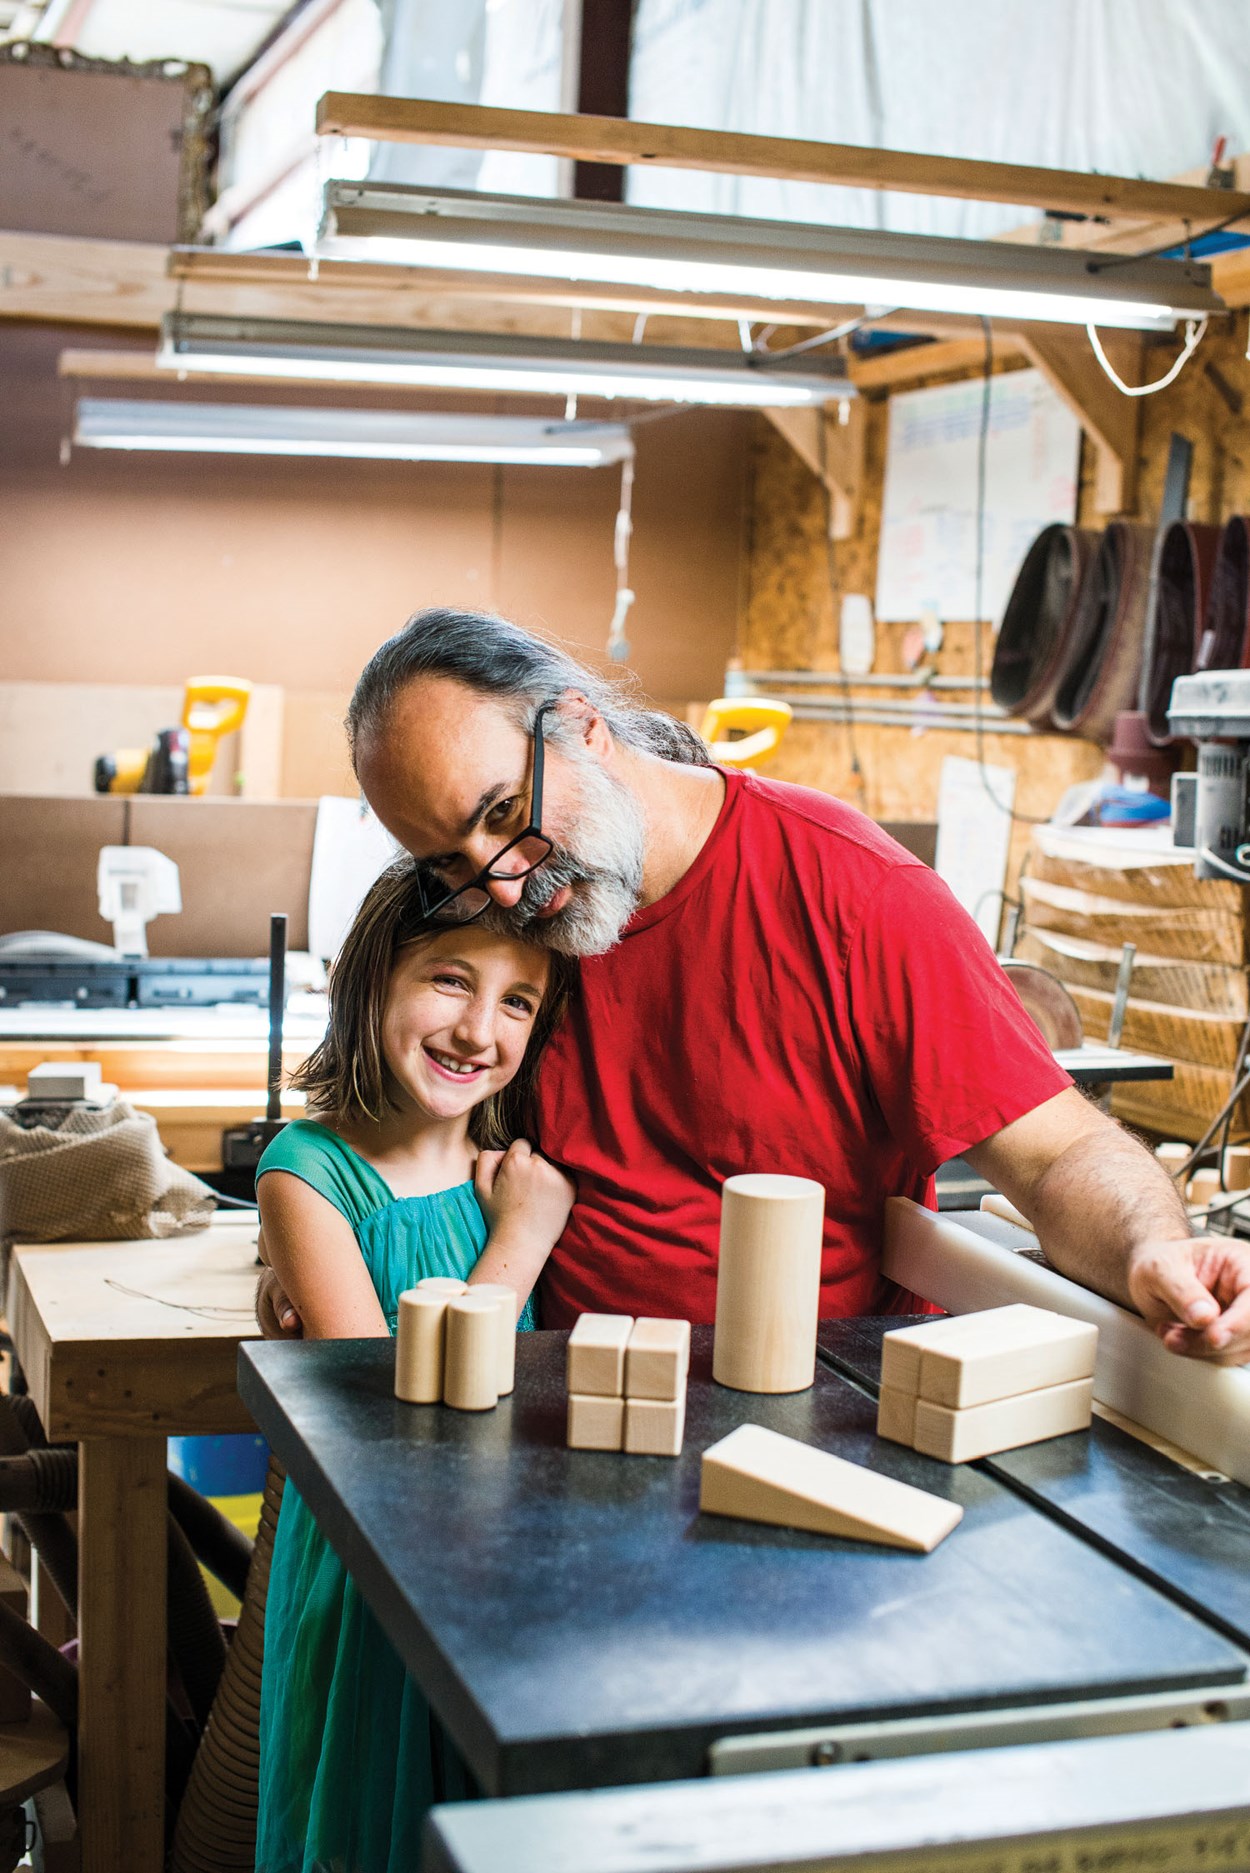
1129	87
502	52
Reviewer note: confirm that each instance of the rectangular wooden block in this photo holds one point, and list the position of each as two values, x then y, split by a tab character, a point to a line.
657	1359
974	1359
655	1427
1006	1423
596	1354
761	1476
595	1423
896	1415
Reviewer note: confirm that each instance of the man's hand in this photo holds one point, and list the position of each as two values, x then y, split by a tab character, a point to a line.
1195	1295
1108	1216
275	1316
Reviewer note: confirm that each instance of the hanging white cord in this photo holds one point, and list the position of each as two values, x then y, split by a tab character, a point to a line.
1195	331
618	643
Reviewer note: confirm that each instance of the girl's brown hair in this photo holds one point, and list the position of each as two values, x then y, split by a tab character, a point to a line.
346	1076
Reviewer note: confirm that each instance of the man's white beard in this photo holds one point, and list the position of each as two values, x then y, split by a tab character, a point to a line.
601	862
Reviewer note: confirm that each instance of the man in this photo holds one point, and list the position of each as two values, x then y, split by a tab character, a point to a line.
768	984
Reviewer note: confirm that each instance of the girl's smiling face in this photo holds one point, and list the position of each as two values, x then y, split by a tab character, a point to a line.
460	1007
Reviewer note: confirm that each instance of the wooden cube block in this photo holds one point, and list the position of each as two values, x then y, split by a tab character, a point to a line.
761	1476
896	1415
973	1359
655	1427
595	1423
657	1359
1005	1424
596	1355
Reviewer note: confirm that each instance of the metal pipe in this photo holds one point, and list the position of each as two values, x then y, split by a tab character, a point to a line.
836	712
833	679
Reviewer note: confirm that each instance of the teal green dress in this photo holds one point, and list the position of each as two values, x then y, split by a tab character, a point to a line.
351	1756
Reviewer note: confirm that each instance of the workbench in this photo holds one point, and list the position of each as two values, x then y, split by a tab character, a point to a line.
124	1344
576	1623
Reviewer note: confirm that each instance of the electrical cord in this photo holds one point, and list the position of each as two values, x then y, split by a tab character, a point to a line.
978	607
1195	332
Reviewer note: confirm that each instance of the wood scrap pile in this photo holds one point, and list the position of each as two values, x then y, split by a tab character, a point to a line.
1087	891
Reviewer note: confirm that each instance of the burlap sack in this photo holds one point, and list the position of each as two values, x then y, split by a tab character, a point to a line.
95	1176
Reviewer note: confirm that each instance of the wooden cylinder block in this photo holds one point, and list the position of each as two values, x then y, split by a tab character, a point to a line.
1204	1187
471	1357
419	1346
504	1298
1171	1156
768	1283
1237	1167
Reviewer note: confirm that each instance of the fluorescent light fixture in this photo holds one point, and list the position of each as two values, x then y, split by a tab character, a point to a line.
348	354
376	435
691	253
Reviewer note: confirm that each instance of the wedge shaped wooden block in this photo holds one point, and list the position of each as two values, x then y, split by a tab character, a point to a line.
979	1431
896	1415
761	1476
973	1359
655	1427
595	1423
596	1354
657	1359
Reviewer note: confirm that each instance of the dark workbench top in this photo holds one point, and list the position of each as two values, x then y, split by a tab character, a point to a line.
576	1622
1186	1533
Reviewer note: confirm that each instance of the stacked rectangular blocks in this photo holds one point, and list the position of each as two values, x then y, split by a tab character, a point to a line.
968	1386
627	1384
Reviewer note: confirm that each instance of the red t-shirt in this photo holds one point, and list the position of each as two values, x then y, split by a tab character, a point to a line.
808	999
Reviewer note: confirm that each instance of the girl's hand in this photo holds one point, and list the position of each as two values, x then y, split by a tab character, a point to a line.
525	1200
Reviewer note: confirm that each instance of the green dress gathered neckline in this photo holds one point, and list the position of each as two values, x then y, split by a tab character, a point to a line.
352	1757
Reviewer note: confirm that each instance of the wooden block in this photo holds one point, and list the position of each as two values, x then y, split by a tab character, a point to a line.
504	1298
420	1338
654	1427
657	1359
761	1476
471	1356
1204	1187
595	1422
14	1695
1237	1167
768	1283
973	1359
1203	1408
994	1203
596	1354
1030	1418
896	1415
1172	1155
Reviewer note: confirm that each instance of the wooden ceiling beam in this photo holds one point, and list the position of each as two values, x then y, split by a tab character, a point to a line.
792	159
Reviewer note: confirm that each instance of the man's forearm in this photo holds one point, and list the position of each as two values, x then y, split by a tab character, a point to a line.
1100	1199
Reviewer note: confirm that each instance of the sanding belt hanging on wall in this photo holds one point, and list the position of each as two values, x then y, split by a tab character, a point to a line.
1037	640
1105	667
1175	622
1226	638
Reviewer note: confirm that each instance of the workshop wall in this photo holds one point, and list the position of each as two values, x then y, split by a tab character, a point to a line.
794	589
142	570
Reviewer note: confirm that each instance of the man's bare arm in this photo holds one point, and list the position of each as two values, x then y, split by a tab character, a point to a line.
1109	1216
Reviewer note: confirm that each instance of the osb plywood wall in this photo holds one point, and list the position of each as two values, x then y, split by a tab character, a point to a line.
795	586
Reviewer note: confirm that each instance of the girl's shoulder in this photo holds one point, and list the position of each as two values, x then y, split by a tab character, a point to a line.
323	1161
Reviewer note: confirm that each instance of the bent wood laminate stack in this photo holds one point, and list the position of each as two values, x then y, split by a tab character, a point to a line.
1086	892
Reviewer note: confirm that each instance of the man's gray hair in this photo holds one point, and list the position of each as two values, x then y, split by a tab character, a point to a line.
498	658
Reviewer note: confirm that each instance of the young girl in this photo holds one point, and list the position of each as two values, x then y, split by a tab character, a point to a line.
417	1089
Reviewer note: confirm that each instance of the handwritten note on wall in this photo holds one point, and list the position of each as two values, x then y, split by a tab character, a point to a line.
929	511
